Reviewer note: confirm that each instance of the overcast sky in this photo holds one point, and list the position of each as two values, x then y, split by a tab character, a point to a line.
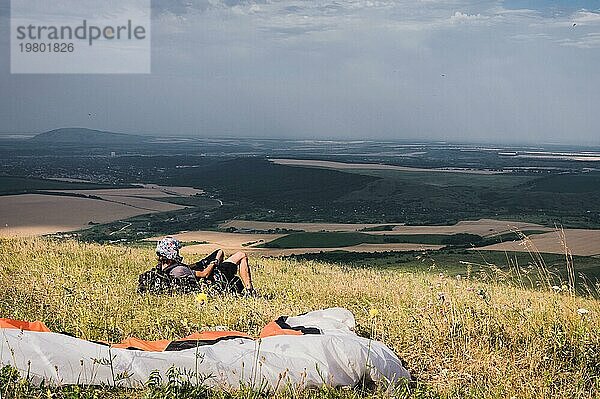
457	70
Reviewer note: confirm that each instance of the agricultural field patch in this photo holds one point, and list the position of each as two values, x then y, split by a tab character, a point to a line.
36	214
574	241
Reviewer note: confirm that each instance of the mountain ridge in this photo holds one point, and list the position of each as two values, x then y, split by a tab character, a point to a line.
77	135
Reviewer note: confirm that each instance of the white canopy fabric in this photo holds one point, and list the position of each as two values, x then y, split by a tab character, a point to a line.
336	357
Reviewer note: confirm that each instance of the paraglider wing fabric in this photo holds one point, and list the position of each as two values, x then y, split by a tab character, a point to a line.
24	325
327	321
336	359
332	321
142	345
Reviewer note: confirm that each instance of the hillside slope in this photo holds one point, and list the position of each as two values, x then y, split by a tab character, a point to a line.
84	136
460	337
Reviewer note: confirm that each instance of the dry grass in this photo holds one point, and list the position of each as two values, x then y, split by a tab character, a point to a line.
460	337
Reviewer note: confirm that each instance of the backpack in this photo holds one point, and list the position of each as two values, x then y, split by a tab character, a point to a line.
158	281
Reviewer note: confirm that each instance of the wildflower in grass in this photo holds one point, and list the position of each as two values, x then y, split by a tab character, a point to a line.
201	298
373	313
583	311
556	288
482	294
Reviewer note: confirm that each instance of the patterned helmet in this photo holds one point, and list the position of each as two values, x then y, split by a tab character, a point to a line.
168	248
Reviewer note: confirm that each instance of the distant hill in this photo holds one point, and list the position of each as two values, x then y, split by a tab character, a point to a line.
85	136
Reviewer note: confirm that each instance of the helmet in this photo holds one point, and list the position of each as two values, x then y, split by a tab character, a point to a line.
168	248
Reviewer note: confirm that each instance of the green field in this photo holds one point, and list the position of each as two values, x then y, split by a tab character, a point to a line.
448	179
348	239
19	185
568	183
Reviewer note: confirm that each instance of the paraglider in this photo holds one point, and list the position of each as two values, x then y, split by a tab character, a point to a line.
311	350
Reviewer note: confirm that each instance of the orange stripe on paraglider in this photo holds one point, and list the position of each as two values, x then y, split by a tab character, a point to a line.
272	329
37	326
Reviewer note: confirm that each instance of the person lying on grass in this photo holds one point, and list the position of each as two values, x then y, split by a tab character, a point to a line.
212	269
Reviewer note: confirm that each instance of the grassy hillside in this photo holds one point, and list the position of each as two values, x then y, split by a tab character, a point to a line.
483	265
460	337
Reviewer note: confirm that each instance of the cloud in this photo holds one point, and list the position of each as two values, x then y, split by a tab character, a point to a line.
589	41
460	18
586	18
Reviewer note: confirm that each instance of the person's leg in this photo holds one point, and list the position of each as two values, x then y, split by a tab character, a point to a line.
241	259
217	255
